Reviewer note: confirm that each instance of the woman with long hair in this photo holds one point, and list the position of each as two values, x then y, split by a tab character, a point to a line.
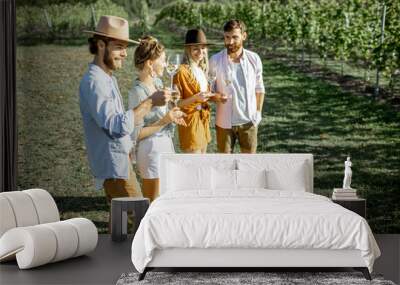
154	134
191	81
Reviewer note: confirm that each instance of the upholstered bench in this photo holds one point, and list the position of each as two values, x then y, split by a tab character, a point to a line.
31	231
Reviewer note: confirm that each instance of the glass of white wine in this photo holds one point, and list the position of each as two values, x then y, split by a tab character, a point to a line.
211	78
228	77
228	82
175	95
173	62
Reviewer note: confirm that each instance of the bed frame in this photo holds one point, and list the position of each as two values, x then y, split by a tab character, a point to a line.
246	258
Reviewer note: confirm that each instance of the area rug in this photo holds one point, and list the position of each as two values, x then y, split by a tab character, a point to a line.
244	278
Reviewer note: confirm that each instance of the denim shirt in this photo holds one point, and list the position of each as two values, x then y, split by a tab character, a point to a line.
139	93
107	126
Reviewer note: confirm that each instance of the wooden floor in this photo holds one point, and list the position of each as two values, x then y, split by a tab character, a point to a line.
110	260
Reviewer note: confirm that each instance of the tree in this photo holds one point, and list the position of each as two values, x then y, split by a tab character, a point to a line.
44	3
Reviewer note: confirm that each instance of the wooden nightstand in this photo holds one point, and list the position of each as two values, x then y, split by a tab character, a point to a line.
357	205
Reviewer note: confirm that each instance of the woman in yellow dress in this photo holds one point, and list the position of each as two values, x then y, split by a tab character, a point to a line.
191	81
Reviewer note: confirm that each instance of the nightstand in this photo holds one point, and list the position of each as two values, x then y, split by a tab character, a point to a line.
119	215
357	205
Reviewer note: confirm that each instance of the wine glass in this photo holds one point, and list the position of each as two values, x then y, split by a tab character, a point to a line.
228	77
173	62
228	82
175	95
212	77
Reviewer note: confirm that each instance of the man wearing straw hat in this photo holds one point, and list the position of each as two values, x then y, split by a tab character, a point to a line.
107	126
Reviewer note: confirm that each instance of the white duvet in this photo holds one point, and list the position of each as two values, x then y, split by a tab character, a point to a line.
252	218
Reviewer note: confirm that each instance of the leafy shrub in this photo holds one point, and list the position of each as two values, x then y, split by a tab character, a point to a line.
65	21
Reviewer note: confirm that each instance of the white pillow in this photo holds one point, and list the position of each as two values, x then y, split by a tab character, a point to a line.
291	179
251	178
182	177
283	174
224	179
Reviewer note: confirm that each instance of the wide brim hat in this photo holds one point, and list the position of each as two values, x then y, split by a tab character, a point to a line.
113	27
196	37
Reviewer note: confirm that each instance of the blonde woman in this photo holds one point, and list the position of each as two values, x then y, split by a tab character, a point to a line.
154	134
191	80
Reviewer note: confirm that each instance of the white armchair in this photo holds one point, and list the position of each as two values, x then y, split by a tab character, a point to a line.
31	230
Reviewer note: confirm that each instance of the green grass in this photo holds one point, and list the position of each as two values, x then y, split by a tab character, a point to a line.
307	115
300	114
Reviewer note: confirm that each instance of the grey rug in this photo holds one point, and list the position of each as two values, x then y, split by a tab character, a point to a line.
243	278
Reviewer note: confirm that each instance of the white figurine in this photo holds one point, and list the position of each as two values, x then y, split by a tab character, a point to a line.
347	174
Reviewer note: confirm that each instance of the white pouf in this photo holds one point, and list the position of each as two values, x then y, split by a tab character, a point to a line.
31	232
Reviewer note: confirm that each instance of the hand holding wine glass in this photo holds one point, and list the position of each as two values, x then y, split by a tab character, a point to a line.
160	97
175	115
203	96
219	97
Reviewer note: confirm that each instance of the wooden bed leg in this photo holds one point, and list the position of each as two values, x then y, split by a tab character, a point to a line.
364	271
143	274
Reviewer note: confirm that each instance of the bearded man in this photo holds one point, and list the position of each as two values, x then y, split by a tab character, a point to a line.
107	126
240	79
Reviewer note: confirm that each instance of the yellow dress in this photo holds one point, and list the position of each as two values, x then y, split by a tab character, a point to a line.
196	135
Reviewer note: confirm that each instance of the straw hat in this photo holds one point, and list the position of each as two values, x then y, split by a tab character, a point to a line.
113	27
196	37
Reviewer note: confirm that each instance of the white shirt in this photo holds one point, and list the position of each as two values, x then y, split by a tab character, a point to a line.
240	104
200	77
252	69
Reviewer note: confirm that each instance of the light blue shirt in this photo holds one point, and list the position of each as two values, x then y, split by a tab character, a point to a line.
138	94
240	105
107	126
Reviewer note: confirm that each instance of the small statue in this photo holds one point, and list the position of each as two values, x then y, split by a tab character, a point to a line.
347	174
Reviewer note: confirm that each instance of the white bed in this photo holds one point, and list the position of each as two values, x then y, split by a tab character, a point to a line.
248	211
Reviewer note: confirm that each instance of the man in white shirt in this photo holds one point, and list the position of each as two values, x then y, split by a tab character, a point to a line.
239	77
